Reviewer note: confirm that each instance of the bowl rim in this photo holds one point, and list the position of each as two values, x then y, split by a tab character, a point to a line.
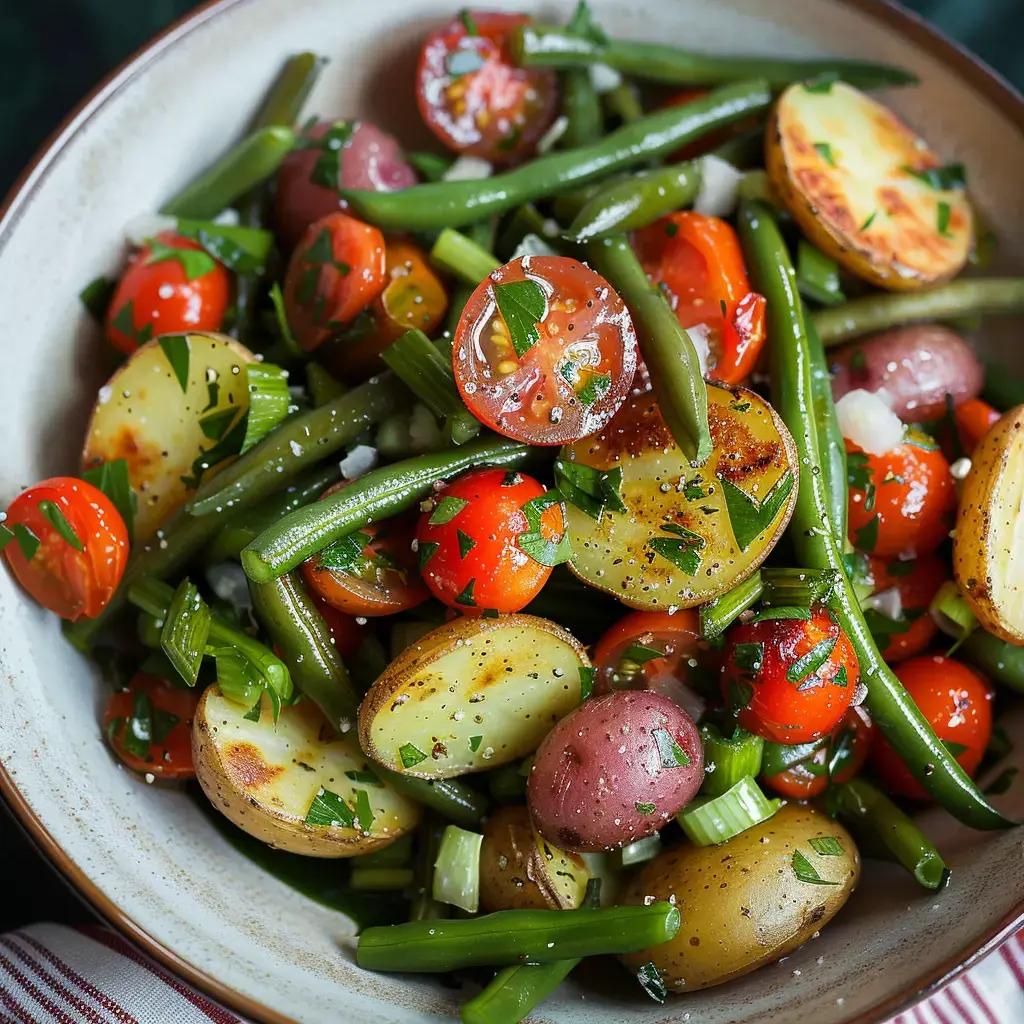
970	68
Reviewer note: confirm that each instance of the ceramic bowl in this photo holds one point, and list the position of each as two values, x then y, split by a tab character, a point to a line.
148	859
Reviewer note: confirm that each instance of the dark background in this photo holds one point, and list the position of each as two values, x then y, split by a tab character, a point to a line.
52	52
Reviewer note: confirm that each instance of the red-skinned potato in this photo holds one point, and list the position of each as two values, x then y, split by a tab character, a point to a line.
614	771
917	365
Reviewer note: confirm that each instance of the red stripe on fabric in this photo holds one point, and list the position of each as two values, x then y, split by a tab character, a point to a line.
36	992
958	1005
75	978
918	1016
68	996
1007	954
933	1005
107	938
17	1010
979	999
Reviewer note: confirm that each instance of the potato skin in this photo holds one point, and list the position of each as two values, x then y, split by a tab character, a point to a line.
516	875
599	780
918	366
741	903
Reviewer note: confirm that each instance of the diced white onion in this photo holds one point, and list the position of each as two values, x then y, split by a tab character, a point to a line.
719	185
604	78
468	168
533	245
699	336
553	134
960	468
140	229
886	602
360	460
867	421
228	218
227	580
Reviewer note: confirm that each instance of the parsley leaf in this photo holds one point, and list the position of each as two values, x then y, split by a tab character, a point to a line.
594	388
329	809
522	306
644	808
466	543
650	981
748	657
195	263
952	176
124	323
672	754
96	296
534	543
60	523
827	846
809	662
861	477
944	213
346	553
178	350
591	490
474	743
748	517
427	550
682	550
869	221
28	542
640	654
366	777
804	870
867	536
821	85
824	150
410	755
586	682
364	812
446	510
466	597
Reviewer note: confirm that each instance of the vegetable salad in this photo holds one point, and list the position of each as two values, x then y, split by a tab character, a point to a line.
544	521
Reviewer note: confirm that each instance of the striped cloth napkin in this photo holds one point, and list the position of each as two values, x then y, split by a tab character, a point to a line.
52	974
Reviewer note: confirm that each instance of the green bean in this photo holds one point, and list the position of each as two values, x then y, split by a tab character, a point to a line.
666	347
717	615
379	494
1000	661
462	257
299	632
813	533
283	103
253	160
450	203
547	46
833	466
622	102
297	444
882	310
450	798
581	105
636	201
867	808
1002	389
745	150
515	936
429	166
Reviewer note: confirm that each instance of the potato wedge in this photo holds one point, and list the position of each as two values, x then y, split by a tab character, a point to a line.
682	535
472	694
845	166
159	425
295	786
521	871
988	545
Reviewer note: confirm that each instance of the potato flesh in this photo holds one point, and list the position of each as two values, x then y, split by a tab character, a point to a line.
143	416
988	546
265	779
838	157
752	449
472	695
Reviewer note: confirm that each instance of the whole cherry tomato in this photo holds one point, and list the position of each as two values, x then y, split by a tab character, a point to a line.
67	545
917	581
956	701
172	284
974	418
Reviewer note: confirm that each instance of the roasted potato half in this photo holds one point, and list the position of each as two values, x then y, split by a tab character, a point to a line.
472	694
676	536
193	389
855	179
519	870
749	901
295	786
988	545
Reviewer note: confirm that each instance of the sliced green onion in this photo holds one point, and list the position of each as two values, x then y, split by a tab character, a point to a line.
708	821
633	854
429	166
457	869
754	185
185	631
322	387
149	630
780	757
380	879
798	588
952	613
269	401
291	346
728	760
718	615
241	249
461	256
817	276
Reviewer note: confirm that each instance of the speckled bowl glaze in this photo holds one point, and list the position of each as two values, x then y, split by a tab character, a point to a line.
147	858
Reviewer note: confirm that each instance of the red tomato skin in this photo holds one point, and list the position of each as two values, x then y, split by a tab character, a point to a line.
914	501
499	574
461	111
164	300
917	588
67	582
172	759
974	419
778	709
529	398
956	701
322	296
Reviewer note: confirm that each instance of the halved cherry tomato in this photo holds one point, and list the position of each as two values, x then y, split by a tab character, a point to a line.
974	418
161	293
69	546
901	502
413	297
839	760
918	581
957	701
336	271
713	139
790	680
545	350
149	726
698	263
472	95
346	633
370	572
486	544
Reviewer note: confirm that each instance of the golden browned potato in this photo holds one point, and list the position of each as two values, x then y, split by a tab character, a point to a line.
676	536
849	170
160	416
988	545
471	695
749	901
521	871
295	786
